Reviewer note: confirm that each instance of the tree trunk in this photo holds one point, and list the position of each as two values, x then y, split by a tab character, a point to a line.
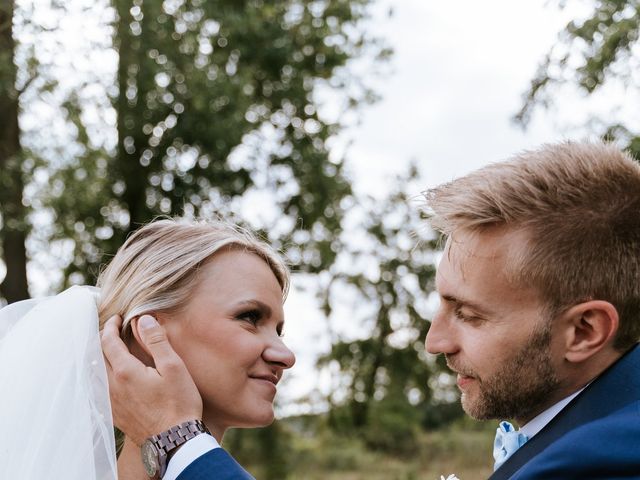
14	224
127	165
360	410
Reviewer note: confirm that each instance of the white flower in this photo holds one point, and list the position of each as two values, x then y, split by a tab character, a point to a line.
450	477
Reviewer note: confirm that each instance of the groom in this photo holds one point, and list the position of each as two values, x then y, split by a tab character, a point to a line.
539	317
539	312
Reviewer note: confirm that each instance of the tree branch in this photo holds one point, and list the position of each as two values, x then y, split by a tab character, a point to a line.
20	91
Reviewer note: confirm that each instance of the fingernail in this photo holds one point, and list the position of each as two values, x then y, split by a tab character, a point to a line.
147	321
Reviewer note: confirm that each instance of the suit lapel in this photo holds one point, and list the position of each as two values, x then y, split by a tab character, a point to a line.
593	402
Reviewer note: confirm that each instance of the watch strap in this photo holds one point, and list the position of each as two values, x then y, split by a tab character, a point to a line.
169	440
167	443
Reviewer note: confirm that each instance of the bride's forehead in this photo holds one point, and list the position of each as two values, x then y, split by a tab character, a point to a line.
238	273
231	264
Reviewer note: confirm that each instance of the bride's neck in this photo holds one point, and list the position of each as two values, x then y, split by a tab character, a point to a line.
130	462
217	432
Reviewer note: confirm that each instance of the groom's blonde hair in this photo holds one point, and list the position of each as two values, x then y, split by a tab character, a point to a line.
578	204
156	269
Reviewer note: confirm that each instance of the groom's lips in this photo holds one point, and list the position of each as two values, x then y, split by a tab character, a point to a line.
463	380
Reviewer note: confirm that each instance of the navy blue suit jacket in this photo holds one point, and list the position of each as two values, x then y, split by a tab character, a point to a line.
596	436
215	465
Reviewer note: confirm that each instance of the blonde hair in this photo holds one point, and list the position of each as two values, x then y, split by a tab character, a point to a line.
156	269
579	204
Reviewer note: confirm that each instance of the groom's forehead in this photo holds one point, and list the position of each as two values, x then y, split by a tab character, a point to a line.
464	251
486	261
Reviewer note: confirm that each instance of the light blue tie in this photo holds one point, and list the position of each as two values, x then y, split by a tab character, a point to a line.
507	441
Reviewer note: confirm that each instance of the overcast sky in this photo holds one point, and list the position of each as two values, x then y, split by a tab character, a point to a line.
460	69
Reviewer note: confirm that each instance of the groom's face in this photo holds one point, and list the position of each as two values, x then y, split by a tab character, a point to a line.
492	330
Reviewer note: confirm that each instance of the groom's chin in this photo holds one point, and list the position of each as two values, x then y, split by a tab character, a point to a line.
468	406
475	407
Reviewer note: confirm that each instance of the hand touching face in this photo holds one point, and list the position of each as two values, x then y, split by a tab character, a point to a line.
145	400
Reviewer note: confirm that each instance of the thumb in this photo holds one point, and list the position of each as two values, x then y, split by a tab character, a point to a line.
155	339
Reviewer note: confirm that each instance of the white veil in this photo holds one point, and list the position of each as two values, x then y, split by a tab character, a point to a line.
55	414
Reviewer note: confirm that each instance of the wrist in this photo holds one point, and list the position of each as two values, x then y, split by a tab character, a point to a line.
158	449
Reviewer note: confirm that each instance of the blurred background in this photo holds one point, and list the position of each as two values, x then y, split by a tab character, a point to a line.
318	123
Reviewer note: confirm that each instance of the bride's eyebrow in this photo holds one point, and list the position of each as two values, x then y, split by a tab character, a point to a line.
257	304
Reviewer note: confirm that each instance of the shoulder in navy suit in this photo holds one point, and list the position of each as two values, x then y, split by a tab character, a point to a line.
605	449
216	464
597	436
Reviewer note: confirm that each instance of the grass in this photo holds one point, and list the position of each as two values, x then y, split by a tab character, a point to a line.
463	449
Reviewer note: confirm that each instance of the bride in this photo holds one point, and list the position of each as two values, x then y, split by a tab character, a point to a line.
216	290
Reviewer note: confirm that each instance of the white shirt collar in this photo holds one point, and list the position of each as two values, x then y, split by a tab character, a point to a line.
188	453
536	424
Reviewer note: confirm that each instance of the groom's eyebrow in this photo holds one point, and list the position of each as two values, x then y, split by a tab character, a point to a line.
461	302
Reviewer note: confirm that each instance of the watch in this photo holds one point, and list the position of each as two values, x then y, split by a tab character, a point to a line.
157	449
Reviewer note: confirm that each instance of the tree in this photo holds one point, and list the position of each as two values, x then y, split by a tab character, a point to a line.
196	81
598	49
212	101
265	451
14	227
381	377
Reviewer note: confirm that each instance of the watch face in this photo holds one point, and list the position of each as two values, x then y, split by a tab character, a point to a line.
150	458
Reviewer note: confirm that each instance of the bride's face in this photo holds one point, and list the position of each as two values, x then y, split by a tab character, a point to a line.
229	336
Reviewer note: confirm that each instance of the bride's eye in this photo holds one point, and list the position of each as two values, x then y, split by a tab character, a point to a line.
253	316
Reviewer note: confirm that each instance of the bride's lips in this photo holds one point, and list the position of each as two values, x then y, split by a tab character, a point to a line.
267	378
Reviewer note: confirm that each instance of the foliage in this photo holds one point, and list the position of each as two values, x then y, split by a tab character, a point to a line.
393	426
196	81
191	107
591	50
265	448
386	273
316	452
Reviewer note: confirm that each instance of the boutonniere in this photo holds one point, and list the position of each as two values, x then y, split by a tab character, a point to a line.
450	477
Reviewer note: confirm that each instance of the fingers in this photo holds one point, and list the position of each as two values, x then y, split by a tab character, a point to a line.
147	400
155	340
110	347
115	351
115	354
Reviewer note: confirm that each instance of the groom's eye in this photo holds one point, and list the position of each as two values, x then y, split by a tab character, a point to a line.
464	316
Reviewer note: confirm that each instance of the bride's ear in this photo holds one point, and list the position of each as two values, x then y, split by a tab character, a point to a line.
138	348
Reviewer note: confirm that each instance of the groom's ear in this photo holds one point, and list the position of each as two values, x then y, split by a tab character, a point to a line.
590	328
137	347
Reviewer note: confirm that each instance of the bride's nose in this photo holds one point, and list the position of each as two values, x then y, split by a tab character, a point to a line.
278	353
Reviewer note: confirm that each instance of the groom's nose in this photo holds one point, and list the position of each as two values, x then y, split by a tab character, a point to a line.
439	337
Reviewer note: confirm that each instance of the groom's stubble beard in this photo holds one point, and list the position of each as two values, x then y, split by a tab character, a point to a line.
519	387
